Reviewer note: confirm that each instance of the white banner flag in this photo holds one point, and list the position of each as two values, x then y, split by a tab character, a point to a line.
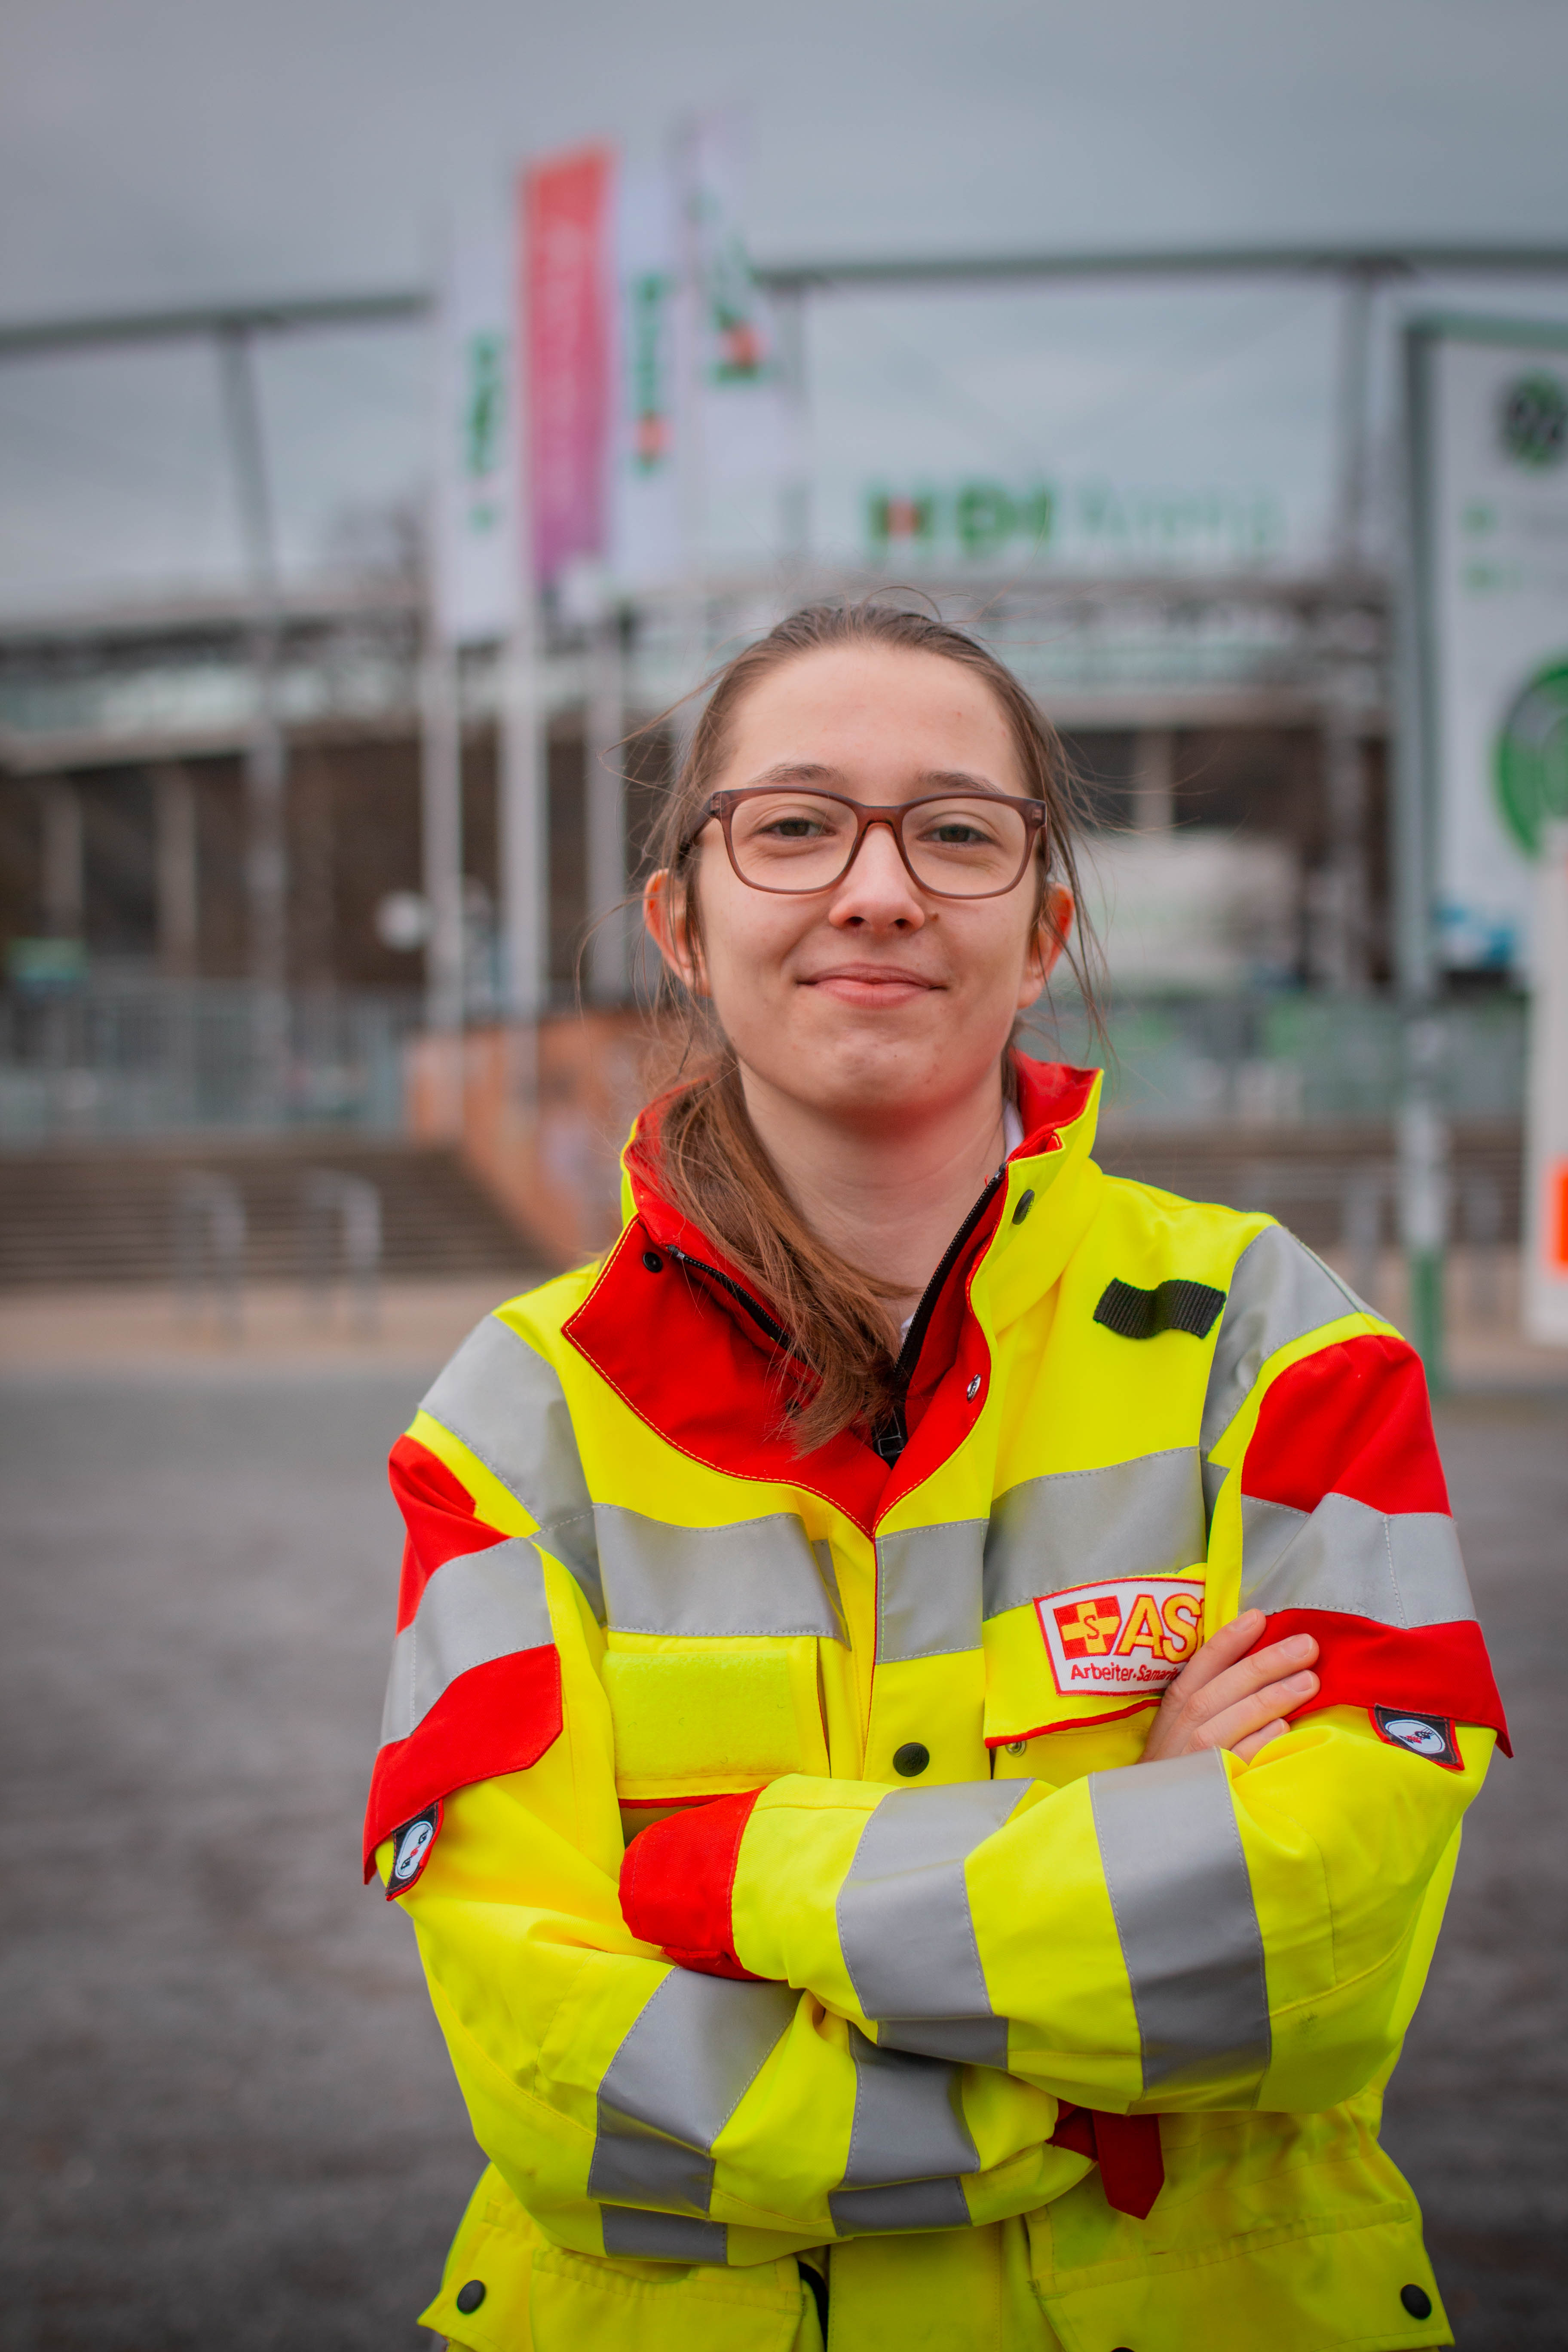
745	428
1490	431
646	540
476	552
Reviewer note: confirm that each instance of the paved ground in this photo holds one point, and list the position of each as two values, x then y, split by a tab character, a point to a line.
230	2123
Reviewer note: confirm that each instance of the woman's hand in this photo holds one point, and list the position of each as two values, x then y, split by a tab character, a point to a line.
1228	1695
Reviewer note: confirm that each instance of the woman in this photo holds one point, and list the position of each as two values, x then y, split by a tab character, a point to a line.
937	1687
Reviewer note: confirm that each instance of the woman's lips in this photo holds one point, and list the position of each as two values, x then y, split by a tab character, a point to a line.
879	986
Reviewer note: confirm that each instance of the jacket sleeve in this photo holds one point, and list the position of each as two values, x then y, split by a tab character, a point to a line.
635	2108
1197	1933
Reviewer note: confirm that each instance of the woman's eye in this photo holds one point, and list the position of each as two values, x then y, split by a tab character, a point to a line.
956	832
793	828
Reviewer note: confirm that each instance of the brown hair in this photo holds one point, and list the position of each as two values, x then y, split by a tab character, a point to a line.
712	1163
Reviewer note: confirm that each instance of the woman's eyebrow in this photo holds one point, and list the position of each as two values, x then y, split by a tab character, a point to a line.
933	780
958	780
799	772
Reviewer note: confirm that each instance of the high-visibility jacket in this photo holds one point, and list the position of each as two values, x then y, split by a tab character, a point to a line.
967	1944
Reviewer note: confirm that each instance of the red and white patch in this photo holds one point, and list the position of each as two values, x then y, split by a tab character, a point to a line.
1419	1734
411	1846
1131	1635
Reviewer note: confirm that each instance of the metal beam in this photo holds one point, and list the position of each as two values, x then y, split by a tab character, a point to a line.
1213	261
27	338
398	306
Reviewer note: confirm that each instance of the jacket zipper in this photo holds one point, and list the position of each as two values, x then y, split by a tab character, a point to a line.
891	1438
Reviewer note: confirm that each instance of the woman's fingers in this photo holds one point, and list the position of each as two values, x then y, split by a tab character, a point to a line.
1220	1650
1232	1695
1247	1748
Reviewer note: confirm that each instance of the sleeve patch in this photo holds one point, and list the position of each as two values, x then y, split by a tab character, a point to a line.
1432	1736
412	1847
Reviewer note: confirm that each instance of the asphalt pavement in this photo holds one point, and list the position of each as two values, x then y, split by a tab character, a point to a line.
229	2118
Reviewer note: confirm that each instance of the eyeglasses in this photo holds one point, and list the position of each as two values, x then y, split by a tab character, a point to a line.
953	845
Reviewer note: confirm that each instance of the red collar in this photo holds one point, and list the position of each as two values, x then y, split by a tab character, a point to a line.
673	1326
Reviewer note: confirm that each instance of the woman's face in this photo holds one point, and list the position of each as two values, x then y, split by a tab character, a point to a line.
870	996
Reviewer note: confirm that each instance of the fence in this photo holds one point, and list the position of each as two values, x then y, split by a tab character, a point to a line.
148	1057
1285	1058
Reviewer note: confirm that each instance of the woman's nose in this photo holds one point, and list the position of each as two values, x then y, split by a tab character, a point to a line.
878	889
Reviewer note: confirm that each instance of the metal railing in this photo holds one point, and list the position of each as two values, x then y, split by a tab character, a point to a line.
144	1057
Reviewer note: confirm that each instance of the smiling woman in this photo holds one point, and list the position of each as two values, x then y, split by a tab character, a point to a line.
919	785
935	1688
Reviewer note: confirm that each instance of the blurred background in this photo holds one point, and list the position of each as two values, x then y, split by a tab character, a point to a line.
400	412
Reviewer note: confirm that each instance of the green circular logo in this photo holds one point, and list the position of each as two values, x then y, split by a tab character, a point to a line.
1532	756
1532	420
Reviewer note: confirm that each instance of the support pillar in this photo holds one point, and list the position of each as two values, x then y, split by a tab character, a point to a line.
604	815
1155	779
64	890
177	872
441	832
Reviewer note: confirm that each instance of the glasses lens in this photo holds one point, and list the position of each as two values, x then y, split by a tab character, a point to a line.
790	840
967	847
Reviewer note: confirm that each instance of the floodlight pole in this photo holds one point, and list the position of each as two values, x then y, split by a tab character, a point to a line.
267	752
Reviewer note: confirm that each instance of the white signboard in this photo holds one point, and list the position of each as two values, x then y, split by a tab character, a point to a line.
477	560
1490	418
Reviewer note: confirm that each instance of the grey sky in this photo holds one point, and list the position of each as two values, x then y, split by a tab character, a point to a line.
193	148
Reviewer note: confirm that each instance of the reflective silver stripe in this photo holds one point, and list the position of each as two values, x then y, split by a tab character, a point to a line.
1142	1518
482	1605
1400	1568
908	2123
904	1923
503	1402
664	2237
928	1591
685	2065
1191	1944
1278	1292
907	2205
755	1576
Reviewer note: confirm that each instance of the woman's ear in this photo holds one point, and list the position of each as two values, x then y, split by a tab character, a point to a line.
1052	928
667	924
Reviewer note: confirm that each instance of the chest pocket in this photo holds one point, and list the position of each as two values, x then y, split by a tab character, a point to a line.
710	1657
1094	1584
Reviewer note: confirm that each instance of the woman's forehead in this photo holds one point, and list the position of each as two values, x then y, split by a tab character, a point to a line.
848	707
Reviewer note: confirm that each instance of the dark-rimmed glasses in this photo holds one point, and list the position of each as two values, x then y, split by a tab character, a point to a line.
953	845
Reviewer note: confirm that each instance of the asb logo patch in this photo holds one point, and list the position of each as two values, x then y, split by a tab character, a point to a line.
1431	1736
411	1847
1122	1638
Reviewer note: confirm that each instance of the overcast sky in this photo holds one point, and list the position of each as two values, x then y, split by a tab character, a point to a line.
159	150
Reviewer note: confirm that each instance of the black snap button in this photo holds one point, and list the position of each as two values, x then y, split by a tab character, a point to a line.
1026	1202
468	2298
653	1261
910	1760
1417	2302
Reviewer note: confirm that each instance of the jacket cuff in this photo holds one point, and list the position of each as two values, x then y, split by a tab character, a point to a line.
678	1885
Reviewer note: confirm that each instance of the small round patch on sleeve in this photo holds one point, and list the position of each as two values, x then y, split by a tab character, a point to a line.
1431	1736
411	1849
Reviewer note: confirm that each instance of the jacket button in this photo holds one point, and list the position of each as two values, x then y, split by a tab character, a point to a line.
1016	1747
1417	2302
910	1760
468	2298
973	1391
1026	1202
653	1261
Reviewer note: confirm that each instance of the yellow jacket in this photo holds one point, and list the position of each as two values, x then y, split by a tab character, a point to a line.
955	1939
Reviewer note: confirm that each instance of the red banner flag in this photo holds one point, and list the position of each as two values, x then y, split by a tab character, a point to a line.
568	273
